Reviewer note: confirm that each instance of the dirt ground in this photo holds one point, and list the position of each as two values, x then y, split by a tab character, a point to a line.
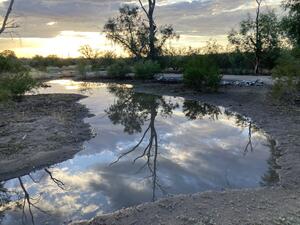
40	131
278	205
46	129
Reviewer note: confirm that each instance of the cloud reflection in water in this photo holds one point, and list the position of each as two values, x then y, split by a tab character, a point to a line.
199	147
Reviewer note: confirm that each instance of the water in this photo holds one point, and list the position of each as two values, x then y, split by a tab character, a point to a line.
145	147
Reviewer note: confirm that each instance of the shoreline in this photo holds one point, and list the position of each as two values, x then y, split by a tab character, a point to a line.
40	131
62	115
262	206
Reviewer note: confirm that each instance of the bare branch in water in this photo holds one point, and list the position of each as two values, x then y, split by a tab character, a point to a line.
27	200
249	144
59	183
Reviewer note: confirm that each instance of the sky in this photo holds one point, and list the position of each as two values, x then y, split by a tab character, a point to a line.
60	27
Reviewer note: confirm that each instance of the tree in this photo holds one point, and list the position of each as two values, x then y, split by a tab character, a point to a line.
88	53
128	30
5	23
135	36
291	22
259	36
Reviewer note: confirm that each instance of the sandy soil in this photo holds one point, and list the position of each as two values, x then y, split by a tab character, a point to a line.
40	131
269	205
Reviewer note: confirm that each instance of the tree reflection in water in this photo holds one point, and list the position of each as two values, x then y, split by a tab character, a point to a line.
133	110
22	198
197	110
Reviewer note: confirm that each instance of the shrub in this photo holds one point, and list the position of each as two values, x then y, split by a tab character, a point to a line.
10	63
107	59
118	70
4	94
146	69
287	77
202	74
16	85
82	68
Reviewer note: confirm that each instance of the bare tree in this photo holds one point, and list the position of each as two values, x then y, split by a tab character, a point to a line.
88	52
152	26
5	23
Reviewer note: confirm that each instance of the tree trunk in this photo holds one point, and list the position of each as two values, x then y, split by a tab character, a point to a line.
152	27
257	39
152	30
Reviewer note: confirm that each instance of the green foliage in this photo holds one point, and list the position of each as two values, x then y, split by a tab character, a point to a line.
262	38
42	63
82	67
291	23
10	63
118	69
4	94
130	30
287	76
16	85
202	74
146	69
107	59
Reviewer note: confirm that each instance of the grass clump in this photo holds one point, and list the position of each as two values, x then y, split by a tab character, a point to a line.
118	70
202	74
146	69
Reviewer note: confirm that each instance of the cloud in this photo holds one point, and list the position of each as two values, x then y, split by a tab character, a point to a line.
198	18
207	17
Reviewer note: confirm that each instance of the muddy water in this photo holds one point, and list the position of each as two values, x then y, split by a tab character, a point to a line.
145	147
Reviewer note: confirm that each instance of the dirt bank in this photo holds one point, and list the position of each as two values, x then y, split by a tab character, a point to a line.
274	205
39	131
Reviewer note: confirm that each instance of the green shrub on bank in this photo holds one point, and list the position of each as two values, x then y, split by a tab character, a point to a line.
202	74
146	69
106	60
287	76
10	63
118	70
14	86
82	68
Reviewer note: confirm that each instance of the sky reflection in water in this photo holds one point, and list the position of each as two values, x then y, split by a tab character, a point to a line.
178	147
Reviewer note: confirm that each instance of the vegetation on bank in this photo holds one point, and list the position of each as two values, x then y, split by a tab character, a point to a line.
202	74
263	44
15	80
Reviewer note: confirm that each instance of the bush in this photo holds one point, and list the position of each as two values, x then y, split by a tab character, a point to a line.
118	70
16	85
82	68
287	76
202	74
10	63
146	69
4	95
107	59
41	63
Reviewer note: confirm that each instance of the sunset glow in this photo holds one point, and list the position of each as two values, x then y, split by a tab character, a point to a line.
61	27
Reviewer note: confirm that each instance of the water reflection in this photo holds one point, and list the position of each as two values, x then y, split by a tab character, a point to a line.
132	110
146	147
23	199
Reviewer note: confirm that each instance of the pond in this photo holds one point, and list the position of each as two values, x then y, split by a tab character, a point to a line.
145	147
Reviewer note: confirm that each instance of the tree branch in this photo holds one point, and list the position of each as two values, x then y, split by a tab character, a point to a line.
4	23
